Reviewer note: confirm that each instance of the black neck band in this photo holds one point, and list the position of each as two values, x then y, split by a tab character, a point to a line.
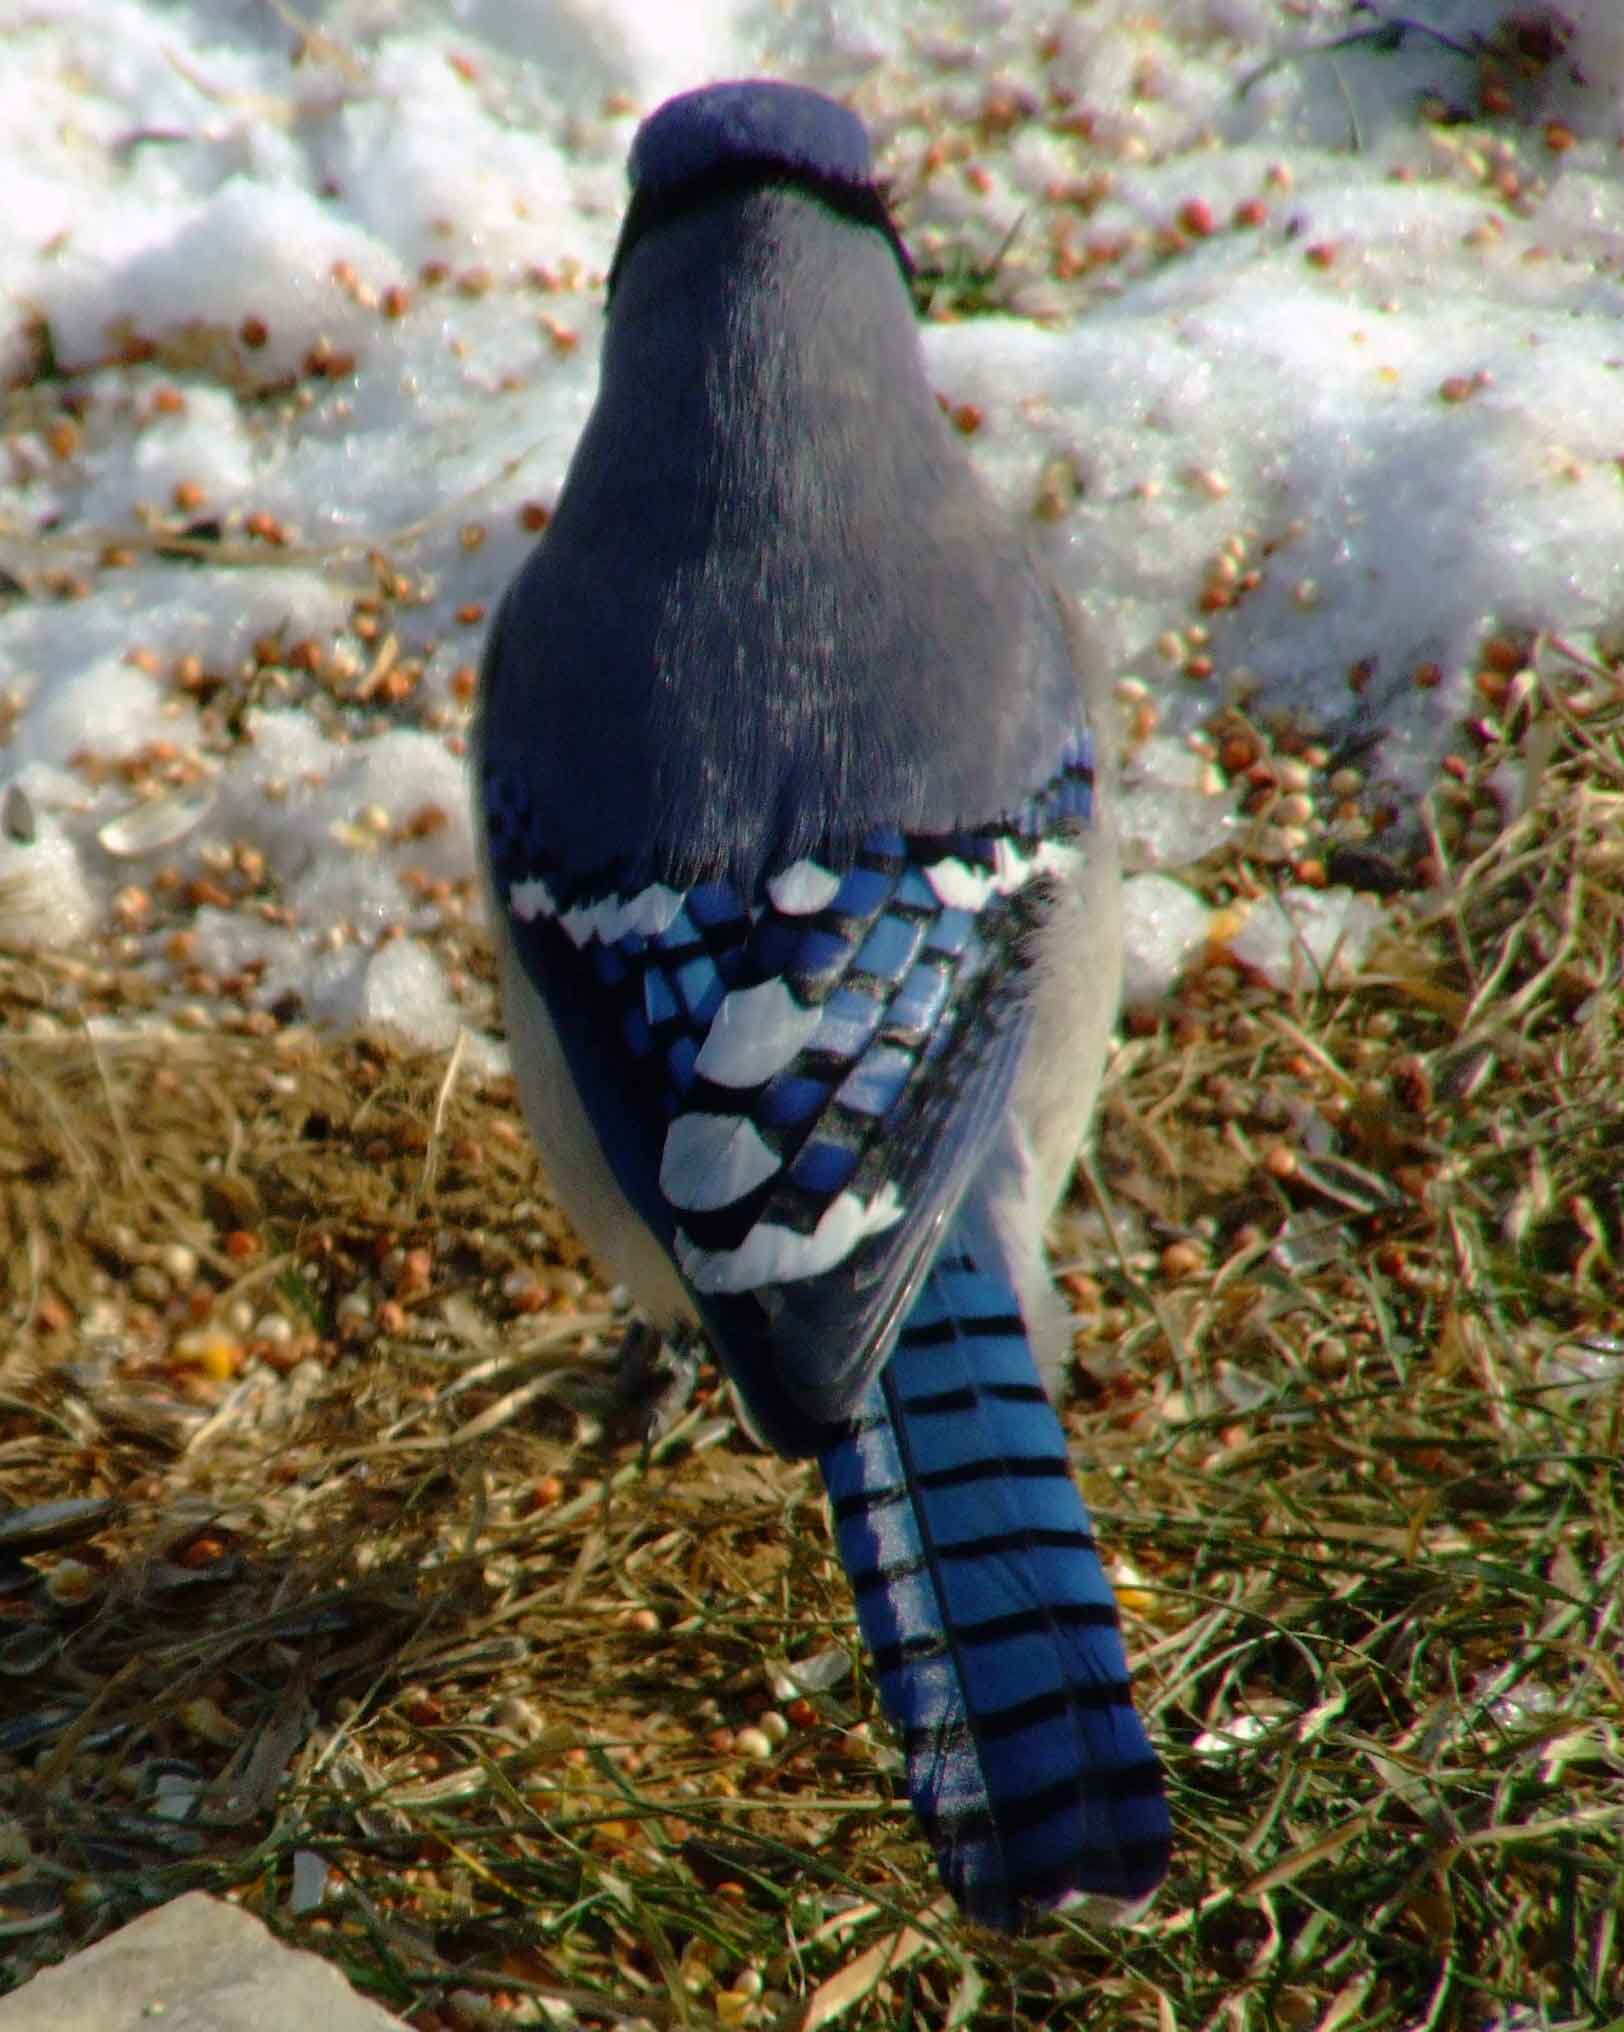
651	209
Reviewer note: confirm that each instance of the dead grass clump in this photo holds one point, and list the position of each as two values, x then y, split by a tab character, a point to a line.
371	1614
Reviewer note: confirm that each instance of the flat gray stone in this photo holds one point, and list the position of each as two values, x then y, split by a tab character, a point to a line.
197	1965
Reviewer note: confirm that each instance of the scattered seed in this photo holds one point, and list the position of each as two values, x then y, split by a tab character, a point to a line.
1184	1258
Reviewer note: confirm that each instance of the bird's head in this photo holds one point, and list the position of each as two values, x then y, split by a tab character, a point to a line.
750	134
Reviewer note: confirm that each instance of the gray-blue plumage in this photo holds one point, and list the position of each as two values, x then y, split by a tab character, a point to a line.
806	899
766	511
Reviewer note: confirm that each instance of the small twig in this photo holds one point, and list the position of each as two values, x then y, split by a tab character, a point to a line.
1175	1339
442	1104
115	1113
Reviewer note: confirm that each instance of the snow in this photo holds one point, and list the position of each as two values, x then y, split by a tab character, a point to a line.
1304	936
1313	386
1165	927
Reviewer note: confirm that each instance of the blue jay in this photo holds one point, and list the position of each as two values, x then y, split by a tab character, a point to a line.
806	901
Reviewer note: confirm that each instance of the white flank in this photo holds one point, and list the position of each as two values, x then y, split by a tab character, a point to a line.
1056	857
803	889
773	1254
712	1160
756	1032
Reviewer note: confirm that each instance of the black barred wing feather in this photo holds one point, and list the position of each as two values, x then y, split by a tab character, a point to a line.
794	1087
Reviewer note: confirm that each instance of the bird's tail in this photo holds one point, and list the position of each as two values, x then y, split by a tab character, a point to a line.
992	1625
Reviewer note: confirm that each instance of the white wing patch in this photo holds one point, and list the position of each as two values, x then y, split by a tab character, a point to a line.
531	899
755	1033
712	1160
961	887
650	911
774	1254
803	889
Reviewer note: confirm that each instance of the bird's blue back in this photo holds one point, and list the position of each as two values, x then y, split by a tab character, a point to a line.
786	769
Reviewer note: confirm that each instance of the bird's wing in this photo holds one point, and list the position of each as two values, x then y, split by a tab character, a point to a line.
793	1086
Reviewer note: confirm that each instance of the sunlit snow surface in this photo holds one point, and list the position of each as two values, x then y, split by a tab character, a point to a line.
1266	329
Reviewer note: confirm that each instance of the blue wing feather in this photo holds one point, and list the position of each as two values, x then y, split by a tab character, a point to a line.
794	1098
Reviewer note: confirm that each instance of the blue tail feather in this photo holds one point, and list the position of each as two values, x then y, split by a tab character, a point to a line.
992	1625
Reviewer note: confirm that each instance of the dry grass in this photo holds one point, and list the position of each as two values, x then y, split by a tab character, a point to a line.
389	1632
